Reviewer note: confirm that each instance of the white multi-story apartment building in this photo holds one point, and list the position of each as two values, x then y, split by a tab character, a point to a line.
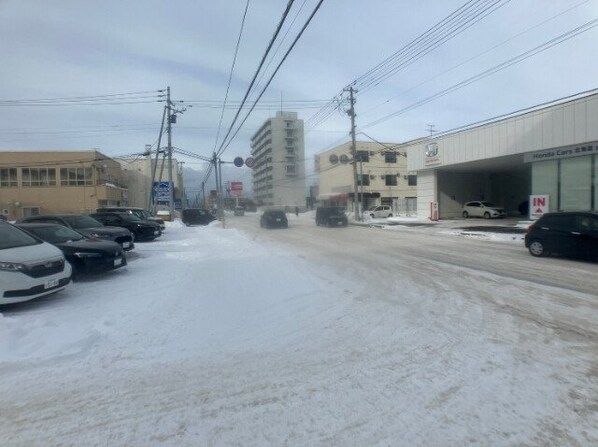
279	172
382	177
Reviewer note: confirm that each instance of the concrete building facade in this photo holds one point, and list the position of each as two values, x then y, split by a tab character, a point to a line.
278	177
137	175
58	182
550	151
76	182
382	177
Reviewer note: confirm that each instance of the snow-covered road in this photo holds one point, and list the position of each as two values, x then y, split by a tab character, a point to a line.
308	336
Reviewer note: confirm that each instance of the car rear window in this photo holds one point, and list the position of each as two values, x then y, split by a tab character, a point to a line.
82	222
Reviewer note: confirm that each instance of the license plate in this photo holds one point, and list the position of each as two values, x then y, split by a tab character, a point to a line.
156	233
126	244
340	222
118	261
278	220
51	283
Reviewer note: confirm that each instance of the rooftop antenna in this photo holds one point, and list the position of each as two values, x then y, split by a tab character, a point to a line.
431	128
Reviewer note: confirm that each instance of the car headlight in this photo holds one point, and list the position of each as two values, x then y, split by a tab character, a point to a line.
12	266
84	254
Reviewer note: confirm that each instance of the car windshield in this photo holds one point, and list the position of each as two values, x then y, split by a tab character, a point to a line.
56	234
81	222
488	204
11	237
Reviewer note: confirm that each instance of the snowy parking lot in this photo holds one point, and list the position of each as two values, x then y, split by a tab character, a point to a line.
359	336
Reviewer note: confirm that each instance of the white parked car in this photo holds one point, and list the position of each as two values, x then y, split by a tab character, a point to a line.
380	211
487	210
29	267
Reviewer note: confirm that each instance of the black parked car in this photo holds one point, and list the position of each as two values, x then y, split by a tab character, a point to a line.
274	219
331	216
86	255
197	216
568	233
136	211
87	226
143	230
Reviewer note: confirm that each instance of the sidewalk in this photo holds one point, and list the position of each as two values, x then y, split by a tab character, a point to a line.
506	225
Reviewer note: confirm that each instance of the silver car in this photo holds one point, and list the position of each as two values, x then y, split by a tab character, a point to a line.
380	211
487	210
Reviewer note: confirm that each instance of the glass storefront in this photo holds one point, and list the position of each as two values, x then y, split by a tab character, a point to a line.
545	176
571	183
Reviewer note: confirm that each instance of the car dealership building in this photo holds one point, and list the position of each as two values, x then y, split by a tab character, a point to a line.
550	151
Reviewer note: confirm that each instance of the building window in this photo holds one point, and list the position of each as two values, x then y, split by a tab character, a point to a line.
363	179
290	169
38	176
289	133
390	157
391	180
8	178
76	177
412	180
363	156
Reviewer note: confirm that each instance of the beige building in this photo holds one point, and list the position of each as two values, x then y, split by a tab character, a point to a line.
137	175
382	177
77	182
58	182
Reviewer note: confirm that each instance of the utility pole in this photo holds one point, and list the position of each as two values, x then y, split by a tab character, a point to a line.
170	183
351	113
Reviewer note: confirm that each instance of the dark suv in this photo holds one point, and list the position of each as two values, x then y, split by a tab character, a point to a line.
274	219
136	211
331	216
143	230
568	234
87	226
196	216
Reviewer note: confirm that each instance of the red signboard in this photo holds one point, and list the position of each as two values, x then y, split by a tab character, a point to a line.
236	187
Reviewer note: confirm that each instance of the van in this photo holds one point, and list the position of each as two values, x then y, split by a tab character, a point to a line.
29	267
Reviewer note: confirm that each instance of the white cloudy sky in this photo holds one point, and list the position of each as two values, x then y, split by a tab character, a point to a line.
72	48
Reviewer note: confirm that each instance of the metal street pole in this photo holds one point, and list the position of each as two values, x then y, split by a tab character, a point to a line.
351	113
170	184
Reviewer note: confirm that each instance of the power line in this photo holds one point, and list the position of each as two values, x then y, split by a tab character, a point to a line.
276	32
317	7
455	23
476	56
232	69
521	57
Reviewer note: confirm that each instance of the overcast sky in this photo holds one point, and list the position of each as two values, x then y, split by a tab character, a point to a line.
71	48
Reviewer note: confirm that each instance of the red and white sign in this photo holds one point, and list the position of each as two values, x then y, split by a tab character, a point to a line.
236	188
538	205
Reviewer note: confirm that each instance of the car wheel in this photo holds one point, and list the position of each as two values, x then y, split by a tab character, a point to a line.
372	216
465	214
390	215
486	215
536	248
